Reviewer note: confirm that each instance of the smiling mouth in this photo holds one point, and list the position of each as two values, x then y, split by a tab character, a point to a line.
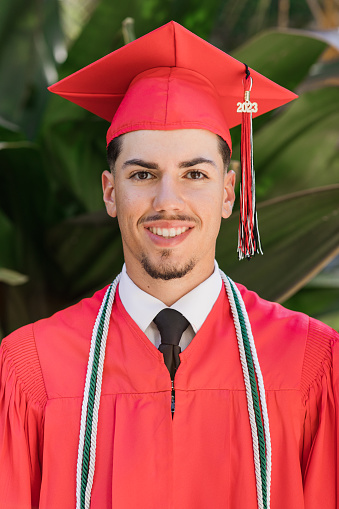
168	233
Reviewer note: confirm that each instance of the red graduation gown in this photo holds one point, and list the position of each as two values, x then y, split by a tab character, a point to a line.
202	458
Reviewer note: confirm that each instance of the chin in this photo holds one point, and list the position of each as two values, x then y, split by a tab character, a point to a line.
166	270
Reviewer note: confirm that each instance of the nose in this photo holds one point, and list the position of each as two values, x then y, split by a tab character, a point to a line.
168	195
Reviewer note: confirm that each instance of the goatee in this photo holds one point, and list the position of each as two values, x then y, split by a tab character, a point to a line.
165	271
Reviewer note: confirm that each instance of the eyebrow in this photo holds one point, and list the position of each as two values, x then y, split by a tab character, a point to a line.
142	163
197	160
154	166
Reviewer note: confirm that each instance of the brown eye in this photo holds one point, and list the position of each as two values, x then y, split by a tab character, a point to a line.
195	175
141	175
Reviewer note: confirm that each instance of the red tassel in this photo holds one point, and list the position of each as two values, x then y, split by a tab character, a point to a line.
248	238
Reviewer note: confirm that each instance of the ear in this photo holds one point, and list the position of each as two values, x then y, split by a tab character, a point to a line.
229	195
108	189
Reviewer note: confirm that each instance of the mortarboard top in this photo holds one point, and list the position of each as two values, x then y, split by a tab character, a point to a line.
169	79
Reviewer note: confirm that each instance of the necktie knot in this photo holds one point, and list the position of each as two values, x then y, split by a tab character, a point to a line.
171	325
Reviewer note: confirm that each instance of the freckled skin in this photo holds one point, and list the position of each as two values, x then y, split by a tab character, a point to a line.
159	183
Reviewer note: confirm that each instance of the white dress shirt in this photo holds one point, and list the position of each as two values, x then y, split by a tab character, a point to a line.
195	306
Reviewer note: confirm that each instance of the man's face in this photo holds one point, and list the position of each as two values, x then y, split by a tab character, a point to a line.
169	192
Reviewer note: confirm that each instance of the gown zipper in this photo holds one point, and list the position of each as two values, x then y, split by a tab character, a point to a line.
172	399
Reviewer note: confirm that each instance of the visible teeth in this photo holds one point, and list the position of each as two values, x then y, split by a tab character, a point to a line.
168	232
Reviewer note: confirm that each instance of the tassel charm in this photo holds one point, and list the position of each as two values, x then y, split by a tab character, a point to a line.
248	237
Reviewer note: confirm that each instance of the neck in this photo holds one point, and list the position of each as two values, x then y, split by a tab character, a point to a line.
169	291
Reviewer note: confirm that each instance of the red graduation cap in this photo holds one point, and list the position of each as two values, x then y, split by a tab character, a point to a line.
172	79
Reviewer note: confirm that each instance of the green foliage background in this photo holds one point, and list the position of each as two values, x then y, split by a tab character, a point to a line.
56	242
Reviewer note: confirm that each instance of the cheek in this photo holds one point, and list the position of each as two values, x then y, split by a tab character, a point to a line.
210	203
131	205
212	209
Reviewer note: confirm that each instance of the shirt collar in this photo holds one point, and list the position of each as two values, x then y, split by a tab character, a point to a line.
195	305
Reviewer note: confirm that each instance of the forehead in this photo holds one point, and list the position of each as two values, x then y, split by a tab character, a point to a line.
175	145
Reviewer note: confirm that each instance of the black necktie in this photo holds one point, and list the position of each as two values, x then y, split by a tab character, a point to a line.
171	325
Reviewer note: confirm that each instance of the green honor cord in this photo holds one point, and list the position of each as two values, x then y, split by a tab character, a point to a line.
254	385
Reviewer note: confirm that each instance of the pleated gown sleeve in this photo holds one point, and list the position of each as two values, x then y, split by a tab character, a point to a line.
320	389
22	401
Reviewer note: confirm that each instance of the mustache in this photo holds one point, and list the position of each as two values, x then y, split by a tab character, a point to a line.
163	217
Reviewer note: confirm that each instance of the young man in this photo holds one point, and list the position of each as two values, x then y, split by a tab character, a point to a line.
193	393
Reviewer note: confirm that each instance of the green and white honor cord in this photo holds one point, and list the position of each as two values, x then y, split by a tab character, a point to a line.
258	417
256	403
91	401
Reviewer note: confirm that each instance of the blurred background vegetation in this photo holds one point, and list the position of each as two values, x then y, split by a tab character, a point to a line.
56	242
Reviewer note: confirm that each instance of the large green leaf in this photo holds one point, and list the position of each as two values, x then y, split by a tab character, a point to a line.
300	234
282	56
320	297
76	151
329	36
27	60
87	252
321	303
299	148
